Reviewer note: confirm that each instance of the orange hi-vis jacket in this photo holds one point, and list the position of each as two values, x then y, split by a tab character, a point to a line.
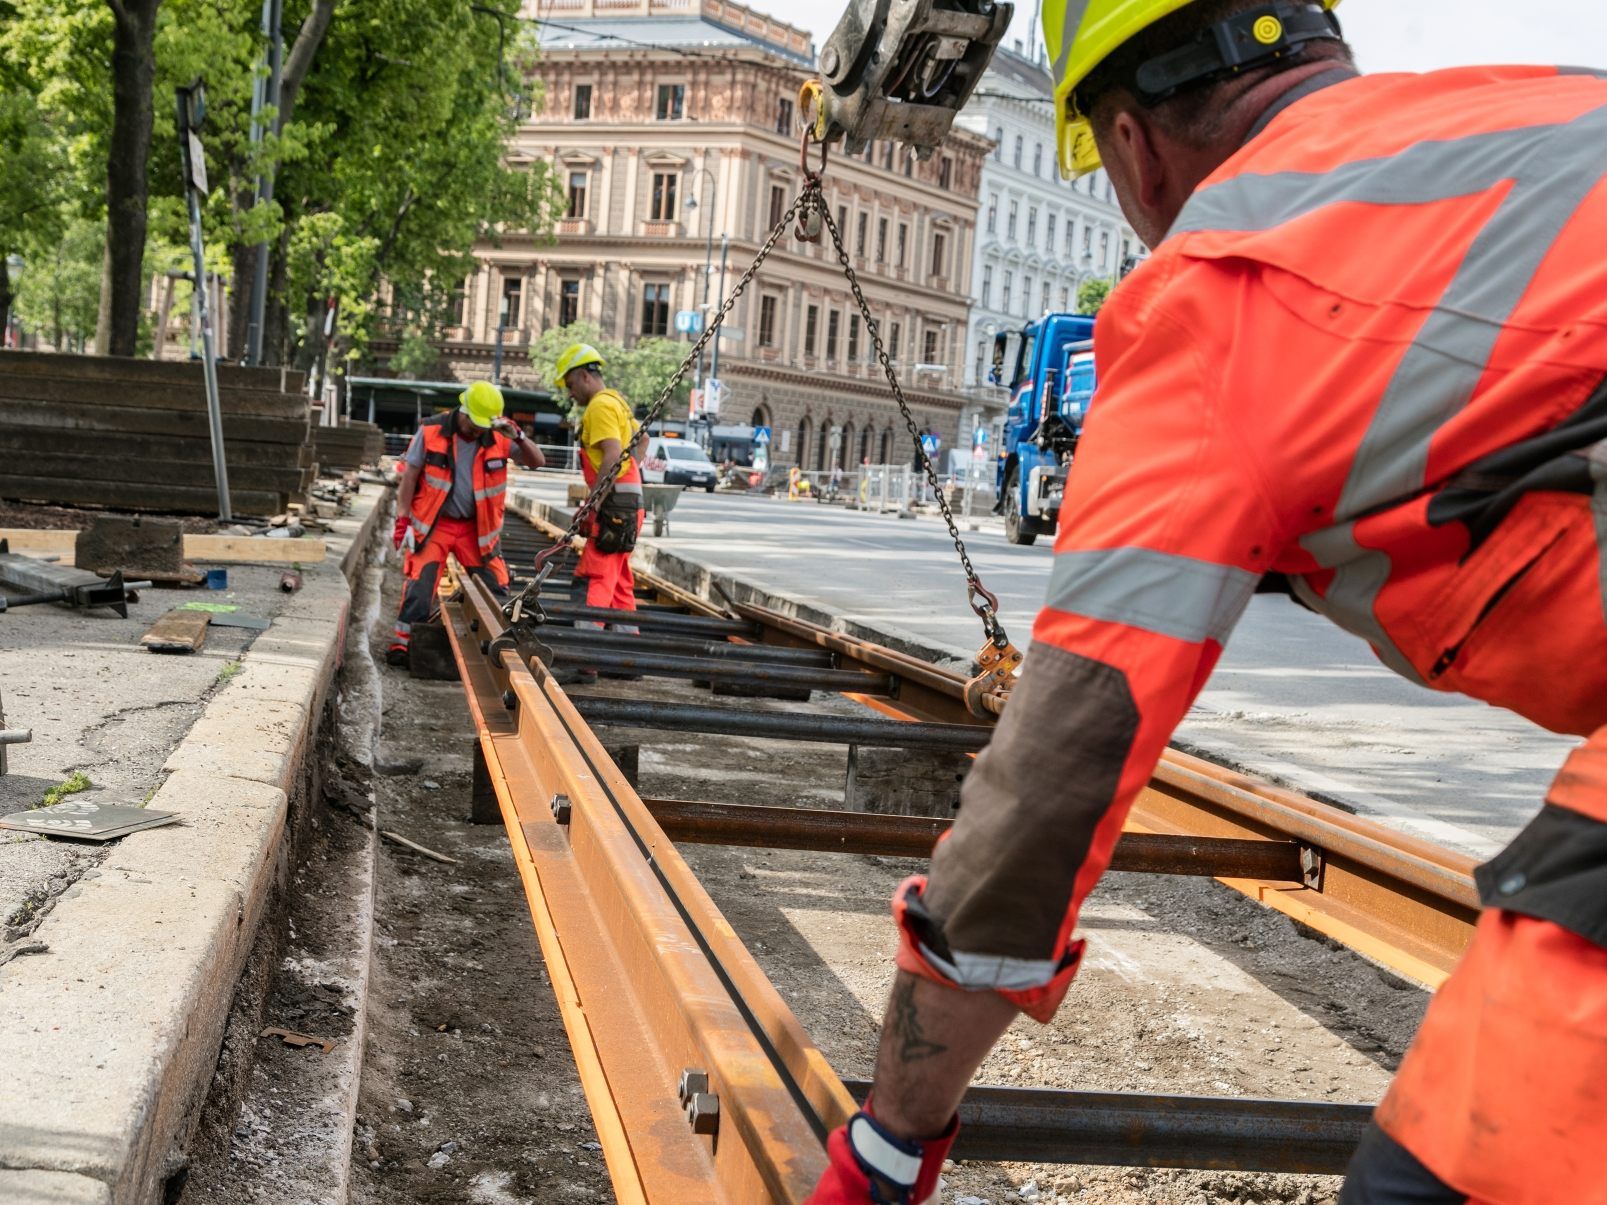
435	486
1367	365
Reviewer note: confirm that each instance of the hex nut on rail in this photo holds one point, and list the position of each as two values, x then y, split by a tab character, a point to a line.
560	812
692	1082
703	1113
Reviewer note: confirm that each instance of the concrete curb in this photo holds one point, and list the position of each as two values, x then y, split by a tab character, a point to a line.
700	580
110	1039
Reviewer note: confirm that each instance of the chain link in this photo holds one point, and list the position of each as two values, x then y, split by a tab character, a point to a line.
545	560
982	601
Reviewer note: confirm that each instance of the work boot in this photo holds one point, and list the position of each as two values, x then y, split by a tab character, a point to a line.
396	655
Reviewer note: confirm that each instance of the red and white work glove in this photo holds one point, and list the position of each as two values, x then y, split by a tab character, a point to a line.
869	1166
403	522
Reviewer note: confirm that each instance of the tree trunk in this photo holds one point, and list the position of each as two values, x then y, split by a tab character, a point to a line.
133	75
5	299
244	258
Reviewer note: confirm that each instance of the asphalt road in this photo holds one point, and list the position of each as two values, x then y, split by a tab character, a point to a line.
1294	698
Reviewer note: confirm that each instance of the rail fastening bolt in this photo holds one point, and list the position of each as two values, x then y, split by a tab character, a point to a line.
692	1082
560	812
703	1113
474	625
510	700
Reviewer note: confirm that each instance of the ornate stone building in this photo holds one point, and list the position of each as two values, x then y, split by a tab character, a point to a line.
673	125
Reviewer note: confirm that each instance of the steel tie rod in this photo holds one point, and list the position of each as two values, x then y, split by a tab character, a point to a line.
783	725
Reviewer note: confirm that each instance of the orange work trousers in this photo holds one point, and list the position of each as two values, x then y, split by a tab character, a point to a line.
609	580
457	538
1503	1094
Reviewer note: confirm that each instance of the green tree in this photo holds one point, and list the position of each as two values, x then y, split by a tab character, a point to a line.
1091	295
644	371
58	291
551	343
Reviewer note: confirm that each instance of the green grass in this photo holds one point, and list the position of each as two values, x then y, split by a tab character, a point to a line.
79	781
229	670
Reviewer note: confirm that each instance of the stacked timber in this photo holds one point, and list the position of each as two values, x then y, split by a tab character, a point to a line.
134	435
348	446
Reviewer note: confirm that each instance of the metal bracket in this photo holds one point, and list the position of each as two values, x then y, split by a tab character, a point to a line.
903	69
987	692
521	638
1312	864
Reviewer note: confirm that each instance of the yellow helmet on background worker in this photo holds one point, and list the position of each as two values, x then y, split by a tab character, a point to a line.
576	355
1079	35
482	402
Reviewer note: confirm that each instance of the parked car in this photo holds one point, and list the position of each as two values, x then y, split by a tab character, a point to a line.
678	462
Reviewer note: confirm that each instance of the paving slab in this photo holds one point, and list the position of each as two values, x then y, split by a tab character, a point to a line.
110	1036
1294	699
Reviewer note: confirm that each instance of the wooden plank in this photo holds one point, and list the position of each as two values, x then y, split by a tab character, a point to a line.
216	550
116	368
253	550
175	466
191	396
178	631
123	421
126	496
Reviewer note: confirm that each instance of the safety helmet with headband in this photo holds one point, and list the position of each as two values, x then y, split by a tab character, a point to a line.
482	402
576	355
1079	35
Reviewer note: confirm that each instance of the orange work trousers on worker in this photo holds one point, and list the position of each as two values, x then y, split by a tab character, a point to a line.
609	580
459	539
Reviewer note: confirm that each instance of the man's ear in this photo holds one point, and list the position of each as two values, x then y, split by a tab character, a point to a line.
1139	165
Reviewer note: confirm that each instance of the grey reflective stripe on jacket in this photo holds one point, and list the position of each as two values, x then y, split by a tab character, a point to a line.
1169	595
1551	169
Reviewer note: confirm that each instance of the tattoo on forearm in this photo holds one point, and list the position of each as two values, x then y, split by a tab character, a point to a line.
913	1045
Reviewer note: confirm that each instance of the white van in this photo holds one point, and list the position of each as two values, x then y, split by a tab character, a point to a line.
678	462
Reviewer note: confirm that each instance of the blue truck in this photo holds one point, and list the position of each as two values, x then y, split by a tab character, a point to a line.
1051	385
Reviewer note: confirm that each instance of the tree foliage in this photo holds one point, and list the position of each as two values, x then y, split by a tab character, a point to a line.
1091	295
389	166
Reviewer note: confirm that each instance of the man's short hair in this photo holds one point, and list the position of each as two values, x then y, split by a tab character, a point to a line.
1197	115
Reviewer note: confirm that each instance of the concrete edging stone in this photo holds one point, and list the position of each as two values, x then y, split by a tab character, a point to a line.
109	1040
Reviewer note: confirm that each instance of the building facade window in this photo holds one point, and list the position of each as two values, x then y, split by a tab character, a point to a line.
666	187
568	300
804	429
1065	299
887	156
671	102
903	242
1037	158
892	342
945	171
887	445
1010	224
987	286
1032	225
1104	250
861	234
767	320
1019	141
811	325
853	338
1049	233
458	306
783	116
833	321
1071	230
940	254
778	204
998	140
930	347
881	240
578	182
512	295
582	102
993	213
1045	306
1009	280
1026	293
656	309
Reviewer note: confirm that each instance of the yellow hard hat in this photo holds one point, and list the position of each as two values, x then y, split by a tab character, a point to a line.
1081	34
576	355
482	402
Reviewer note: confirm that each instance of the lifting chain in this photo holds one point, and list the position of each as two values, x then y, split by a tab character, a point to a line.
998	659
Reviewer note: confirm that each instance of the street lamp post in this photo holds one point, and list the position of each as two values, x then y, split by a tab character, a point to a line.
708	253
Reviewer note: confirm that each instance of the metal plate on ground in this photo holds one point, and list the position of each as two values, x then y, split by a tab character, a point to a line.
86	821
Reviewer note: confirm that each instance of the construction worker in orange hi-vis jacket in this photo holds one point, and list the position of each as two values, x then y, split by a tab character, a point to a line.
1366	364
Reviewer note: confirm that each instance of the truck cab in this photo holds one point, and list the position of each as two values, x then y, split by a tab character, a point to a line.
1051	382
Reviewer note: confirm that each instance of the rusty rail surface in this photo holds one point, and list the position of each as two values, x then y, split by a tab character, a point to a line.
1405	903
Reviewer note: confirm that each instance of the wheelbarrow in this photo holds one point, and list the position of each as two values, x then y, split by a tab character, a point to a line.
660	500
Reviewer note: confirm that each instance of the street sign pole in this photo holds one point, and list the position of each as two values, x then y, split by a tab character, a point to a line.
192	112
714	362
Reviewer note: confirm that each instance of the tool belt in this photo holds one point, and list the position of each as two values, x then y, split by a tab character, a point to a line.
618	522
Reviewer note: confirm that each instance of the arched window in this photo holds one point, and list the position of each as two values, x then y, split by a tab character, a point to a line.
822	443
865	438
887	445
805	427
845	448
761	416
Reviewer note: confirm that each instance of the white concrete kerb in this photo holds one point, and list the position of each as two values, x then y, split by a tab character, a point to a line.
109	1040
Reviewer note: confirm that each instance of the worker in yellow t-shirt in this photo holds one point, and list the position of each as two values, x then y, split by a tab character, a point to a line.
605	430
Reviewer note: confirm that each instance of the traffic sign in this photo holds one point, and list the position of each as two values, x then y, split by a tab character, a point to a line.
761	436
931	443
714	392
688	322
